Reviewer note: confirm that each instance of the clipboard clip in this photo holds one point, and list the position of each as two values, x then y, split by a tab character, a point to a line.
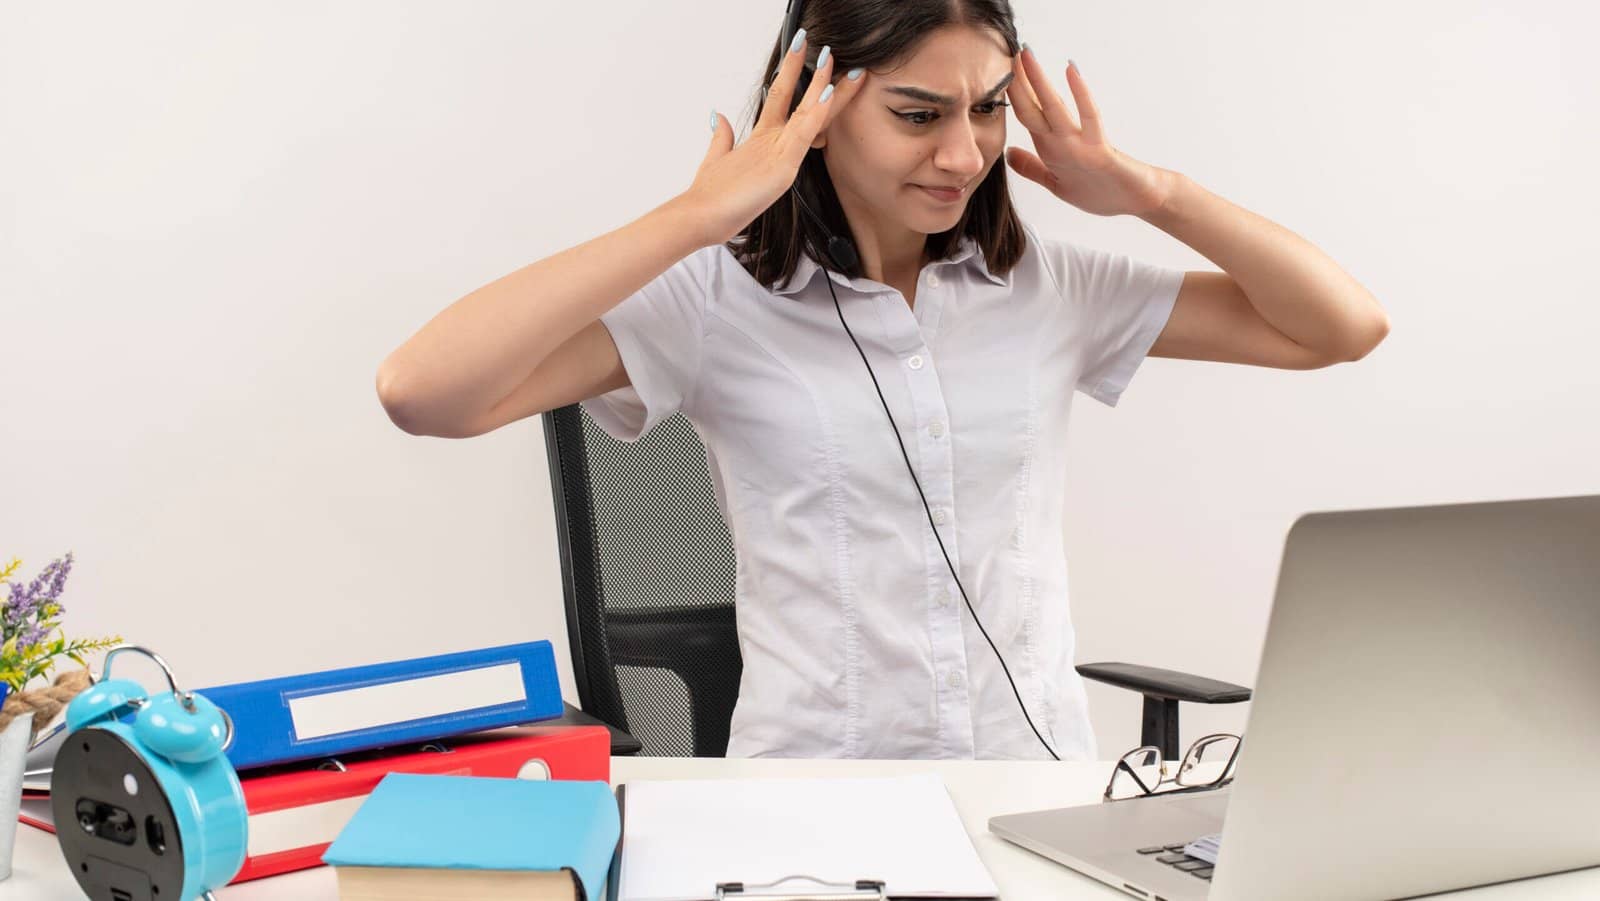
837	891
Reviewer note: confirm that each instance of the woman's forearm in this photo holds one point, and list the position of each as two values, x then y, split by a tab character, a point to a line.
478	349
1290	282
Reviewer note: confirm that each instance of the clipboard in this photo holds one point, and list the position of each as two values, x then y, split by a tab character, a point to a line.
930	823
861	890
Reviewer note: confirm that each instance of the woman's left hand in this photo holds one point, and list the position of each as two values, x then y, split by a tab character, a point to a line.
1077	163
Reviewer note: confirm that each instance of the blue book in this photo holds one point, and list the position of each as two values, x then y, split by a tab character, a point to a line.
402	702
478	837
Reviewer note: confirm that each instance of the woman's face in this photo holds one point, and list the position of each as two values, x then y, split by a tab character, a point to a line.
898	134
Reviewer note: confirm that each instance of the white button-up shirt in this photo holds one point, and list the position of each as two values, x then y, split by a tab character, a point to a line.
856	640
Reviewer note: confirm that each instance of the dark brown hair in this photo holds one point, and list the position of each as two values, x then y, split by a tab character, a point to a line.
874	34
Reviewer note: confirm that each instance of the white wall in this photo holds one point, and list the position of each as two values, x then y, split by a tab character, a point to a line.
218	219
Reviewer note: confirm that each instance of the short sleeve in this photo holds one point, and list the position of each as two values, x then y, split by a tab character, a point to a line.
1123	305
659	331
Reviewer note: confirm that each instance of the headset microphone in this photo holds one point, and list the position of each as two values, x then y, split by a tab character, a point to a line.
842	251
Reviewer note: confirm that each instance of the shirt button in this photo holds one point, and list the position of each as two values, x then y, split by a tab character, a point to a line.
943	599
938	517
933	280
936	429
954	679
915	362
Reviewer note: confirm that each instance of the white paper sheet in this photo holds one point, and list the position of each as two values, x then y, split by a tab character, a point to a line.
682	837
1206	847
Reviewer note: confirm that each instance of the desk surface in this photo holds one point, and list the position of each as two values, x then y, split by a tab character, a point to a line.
981	789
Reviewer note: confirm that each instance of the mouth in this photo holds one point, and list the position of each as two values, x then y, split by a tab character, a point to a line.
945	195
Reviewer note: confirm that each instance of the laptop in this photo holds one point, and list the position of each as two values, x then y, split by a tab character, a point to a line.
1426	717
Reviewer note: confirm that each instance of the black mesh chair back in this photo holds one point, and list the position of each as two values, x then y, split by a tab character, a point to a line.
647	565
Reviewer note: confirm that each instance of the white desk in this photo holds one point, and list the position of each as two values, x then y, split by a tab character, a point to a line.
981	789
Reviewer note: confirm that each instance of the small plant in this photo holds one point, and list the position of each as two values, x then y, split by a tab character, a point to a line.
31	640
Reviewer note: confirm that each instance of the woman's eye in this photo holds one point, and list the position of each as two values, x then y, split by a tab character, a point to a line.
991	109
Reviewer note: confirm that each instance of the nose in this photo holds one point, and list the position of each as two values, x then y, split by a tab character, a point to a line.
958	151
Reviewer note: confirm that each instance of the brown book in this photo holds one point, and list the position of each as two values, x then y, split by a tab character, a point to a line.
424	884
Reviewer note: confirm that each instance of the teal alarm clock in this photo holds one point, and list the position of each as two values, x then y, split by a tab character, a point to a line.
147	806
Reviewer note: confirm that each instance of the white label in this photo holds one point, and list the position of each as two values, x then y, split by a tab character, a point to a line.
330	713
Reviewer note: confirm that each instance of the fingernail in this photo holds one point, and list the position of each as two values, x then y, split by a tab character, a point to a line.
799	37
826	93
713	121
827	50
853	74
1024	48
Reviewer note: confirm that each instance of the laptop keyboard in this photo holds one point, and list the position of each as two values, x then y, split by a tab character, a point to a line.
1173	856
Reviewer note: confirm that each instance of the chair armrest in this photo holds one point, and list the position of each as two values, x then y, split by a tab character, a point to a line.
622	744
1165	684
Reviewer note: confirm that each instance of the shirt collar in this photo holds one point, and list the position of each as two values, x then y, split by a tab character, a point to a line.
967	255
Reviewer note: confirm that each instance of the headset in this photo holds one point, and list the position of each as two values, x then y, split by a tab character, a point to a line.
843	254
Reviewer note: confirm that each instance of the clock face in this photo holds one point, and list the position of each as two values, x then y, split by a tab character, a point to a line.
113	822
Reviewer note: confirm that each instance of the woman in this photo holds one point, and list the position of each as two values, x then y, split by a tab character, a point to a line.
857	638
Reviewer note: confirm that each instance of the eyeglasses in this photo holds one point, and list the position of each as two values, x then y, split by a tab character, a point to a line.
1208	764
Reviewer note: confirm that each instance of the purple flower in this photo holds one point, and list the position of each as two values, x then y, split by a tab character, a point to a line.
26	604
59	578
31	637
20	607
47	586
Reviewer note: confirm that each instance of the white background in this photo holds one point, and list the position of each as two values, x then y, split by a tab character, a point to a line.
216	220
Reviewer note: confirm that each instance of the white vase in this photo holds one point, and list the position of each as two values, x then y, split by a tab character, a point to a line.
13	757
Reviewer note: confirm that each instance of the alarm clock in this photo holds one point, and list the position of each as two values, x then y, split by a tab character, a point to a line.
147	806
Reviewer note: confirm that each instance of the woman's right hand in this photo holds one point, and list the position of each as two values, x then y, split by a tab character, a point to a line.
734	185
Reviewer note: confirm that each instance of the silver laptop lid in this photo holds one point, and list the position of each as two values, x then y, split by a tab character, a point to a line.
1481	768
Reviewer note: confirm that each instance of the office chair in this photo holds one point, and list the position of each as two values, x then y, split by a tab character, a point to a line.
647	568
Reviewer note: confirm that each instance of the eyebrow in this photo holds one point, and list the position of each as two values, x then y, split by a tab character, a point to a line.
941	100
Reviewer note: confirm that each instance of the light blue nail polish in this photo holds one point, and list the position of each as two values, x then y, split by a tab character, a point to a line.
713	121
853	74
799	37
822	57
826	93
